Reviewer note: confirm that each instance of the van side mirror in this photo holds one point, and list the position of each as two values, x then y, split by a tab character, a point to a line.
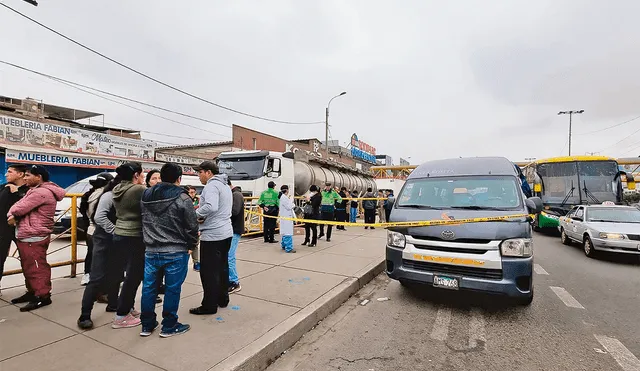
533	204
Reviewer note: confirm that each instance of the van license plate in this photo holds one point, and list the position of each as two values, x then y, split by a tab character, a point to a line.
446	282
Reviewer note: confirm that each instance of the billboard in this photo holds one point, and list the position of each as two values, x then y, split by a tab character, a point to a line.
24	132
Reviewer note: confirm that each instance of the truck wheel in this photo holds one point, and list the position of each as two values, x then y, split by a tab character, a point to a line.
588	247
564	238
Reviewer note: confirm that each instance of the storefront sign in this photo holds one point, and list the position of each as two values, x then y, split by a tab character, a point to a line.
20	131
59	159
178	159
356	153
314	146
362	146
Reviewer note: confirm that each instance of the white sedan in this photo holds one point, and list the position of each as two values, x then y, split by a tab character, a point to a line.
604	227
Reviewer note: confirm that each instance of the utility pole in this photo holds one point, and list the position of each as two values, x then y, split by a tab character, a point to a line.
326	124
570	113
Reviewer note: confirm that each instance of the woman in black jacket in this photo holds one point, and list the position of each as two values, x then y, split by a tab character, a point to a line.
314	201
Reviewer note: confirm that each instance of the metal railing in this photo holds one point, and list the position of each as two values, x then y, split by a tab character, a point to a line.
254	226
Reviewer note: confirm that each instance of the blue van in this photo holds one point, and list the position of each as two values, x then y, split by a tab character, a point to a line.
493	257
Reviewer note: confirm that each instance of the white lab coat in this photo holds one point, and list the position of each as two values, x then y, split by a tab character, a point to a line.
286	210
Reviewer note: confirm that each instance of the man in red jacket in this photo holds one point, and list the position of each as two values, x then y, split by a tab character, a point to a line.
33	217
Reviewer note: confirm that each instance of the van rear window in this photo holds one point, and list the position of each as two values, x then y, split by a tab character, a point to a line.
485	192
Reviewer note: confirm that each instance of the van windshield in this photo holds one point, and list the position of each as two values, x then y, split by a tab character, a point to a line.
472	192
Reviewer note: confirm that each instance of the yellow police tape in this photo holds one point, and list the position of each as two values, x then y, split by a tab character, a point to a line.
423	223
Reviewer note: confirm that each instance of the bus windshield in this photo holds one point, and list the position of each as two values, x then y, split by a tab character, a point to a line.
565	182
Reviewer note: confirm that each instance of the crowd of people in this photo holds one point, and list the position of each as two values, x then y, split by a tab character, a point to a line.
328	204
142	230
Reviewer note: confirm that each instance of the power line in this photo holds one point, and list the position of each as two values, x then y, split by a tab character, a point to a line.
156	133
59	79
154	79
621	140
610	127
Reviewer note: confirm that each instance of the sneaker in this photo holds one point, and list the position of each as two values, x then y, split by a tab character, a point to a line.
126	322
38	302
111	309
135	313
158	299
234	287
202	311
27	297
85	323
293	251
328	240
178	329
147	331
196	267
85	279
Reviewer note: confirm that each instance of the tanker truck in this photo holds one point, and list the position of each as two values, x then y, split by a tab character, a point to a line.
253	170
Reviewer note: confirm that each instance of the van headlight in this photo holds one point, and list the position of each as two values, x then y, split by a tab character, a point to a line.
519	247
395	239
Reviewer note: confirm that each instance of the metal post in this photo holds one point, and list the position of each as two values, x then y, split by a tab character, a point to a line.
326	133
570	115
74	235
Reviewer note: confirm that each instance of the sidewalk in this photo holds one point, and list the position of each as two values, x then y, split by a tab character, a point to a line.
283	296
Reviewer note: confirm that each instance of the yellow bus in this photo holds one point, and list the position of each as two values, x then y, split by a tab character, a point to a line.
563	182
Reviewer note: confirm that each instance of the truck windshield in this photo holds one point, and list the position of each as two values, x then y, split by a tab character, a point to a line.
242	168
462	192
599	177
559	183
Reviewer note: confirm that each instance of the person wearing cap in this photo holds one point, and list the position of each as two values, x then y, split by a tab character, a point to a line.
88	204
270	203
286	226
33	217
327	209
10	193
216	233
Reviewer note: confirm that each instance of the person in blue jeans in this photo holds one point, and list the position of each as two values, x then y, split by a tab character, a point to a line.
237	222
170	230
354	208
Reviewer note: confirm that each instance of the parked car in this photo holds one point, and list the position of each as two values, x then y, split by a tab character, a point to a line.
63	218
605	227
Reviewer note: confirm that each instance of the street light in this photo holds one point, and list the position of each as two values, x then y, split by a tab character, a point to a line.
570	113
326	128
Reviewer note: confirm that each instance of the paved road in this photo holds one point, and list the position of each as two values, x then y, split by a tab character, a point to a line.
585	316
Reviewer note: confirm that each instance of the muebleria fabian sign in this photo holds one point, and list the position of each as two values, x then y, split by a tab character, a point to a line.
59	160
21	131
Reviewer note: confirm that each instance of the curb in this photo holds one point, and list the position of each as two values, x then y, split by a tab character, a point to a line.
261	353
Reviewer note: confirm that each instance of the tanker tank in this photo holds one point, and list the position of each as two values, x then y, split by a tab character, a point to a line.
308	174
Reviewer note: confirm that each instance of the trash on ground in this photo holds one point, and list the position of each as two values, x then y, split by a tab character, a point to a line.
364	302
383	299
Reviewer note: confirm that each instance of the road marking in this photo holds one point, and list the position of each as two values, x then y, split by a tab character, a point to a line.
476	328
539	270
441	326
620	353
566	298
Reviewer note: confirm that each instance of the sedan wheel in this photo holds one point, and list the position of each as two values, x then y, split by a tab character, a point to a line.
564	238
588	247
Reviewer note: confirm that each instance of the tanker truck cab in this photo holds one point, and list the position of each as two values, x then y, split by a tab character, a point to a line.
253	170
492	257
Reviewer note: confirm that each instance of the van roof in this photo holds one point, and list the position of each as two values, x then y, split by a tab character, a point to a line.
467	166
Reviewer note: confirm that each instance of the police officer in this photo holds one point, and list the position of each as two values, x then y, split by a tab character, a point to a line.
327	209
269	202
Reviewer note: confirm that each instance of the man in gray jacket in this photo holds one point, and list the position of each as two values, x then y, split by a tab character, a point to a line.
216	232
170	230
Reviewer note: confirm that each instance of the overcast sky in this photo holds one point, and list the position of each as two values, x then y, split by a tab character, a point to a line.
425	79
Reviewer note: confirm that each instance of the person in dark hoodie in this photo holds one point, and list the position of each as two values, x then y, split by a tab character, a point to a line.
369	205
312	212
170	230
237	222
128	246
33	215
341	209
10	193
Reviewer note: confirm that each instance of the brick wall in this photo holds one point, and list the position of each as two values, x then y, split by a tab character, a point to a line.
245	138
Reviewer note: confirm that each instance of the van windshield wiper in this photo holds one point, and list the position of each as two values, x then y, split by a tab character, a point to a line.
472	207
418	206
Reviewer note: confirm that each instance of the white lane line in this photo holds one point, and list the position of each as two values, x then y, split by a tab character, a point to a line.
620	353
440	329
476	328
566	298
539	270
